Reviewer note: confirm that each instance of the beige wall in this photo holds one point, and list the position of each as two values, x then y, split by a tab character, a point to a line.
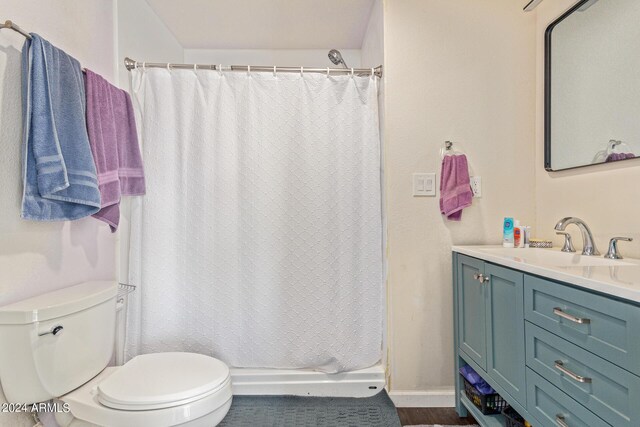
38	257
461	70
606	196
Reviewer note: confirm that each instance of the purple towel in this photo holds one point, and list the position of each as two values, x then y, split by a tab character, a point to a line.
114	143
614	157
455	187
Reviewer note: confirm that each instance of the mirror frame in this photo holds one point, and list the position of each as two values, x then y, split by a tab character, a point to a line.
547	89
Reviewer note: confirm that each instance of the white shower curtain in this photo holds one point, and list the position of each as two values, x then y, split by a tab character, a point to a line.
259	240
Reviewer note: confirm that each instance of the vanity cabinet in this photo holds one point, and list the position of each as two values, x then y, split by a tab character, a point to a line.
561	355
491	322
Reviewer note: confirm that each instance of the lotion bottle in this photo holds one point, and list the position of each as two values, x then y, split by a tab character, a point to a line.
507	232
518	235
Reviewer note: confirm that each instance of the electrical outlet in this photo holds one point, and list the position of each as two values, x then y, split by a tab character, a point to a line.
476	186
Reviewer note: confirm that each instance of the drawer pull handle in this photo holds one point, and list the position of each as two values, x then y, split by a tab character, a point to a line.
560	421
560	366
581	320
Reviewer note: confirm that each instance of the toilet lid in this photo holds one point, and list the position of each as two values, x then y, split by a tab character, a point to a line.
160	380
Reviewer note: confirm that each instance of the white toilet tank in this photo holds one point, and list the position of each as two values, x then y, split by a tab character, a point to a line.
55	342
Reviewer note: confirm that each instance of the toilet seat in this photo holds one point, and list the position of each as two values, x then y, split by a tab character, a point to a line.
208	399
162	380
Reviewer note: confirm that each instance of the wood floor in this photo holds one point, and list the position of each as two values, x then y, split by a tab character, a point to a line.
444	416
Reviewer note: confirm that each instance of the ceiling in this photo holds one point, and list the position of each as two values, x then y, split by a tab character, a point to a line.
265	24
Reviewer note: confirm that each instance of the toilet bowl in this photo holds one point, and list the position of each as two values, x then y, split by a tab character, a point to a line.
159	389
57	346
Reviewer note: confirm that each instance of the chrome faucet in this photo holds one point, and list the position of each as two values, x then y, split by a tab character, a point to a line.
588	245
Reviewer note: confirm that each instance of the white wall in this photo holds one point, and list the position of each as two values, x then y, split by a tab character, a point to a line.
282	57
461	70
372	50
605	196
142	36
38	257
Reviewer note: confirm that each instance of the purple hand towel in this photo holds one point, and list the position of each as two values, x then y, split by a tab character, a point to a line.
614	157
114	143
455	187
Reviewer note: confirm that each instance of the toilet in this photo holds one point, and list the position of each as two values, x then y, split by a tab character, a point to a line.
58	345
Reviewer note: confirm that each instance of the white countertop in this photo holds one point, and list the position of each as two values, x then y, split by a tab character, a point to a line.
619	278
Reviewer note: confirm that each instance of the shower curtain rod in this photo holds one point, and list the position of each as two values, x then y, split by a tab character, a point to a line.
130	64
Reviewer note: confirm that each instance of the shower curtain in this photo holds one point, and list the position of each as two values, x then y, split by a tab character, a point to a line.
259	240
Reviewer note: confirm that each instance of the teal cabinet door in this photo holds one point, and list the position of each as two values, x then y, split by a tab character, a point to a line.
471	310
505	330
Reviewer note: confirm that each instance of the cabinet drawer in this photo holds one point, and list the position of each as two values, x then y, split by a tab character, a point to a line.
604	326
608	390
551	407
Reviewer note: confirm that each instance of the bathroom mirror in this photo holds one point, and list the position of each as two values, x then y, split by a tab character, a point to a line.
592	85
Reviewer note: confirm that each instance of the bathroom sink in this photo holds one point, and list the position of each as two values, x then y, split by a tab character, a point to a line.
554	257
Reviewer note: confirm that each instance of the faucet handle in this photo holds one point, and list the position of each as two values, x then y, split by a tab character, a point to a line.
568	243
613	253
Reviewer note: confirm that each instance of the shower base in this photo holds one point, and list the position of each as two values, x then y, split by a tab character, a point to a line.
297	382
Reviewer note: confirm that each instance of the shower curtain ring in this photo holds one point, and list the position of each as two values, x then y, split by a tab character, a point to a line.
168	66
195	67
220	69
352	72
248	70
274	71
135	65
301	71
144	66
373	72
327	71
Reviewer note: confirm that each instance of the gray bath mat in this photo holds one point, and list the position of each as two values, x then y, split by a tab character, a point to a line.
279	411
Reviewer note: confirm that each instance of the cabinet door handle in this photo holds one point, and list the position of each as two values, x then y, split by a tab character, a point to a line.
560	367
481	277
581	320
560	421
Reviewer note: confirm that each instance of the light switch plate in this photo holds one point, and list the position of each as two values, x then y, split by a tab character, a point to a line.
424	184
476	186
